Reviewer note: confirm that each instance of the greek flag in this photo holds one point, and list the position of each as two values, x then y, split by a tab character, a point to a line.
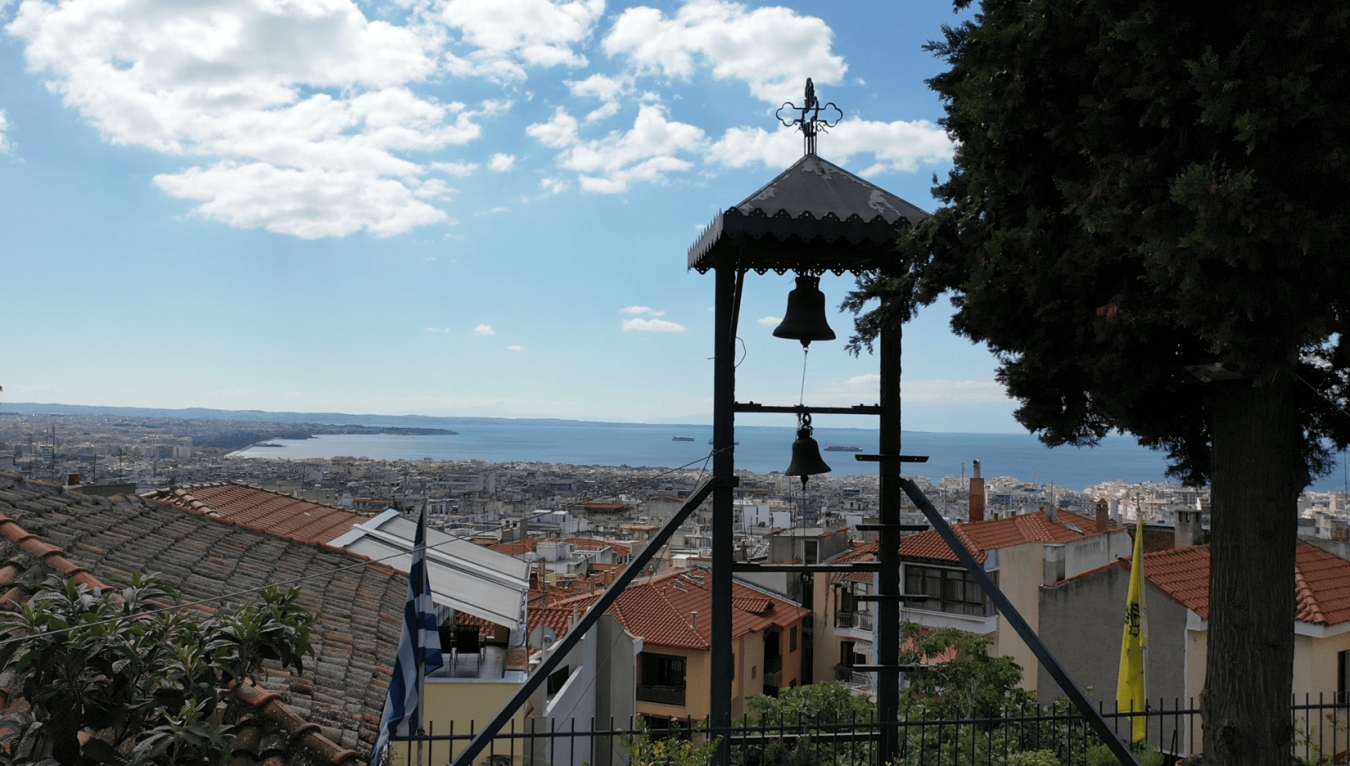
419	649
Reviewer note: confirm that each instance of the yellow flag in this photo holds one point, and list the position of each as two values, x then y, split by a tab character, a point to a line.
1130	686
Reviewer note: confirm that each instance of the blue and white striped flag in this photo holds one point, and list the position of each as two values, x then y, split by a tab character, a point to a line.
419	650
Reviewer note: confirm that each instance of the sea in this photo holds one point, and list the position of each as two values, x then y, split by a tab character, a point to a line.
761	449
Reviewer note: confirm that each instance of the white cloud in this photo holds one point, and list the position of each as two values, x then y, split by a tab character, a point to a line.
560	131
515	348
642	310
647	152
933	391
300	110
894	146
509	35
432	329
599	86
553	185
772	49
6	146
429	259
651	325
456	169
484	329
500	163
607	89
770	321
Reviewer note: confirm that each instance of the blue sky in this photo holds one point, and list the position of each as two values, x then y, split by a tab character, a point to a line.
440	207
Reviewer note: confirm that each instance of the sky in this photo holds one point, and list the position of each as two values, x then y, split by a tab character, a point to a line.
441	207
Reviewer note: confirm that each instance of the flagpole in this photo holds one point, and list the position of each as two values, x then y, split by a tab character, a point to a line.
421	666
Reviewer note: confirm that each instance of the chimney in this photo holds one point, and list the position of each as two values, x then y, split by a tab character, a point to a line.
976	493
1103	514
1052	514
693	620
1187	530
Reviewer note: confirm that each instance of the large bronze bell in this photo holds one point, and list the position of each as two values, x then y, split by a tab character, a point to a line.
806	459
805	317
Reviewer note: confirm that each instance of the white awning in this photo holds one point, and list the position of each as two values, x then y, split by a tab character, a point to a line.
465	577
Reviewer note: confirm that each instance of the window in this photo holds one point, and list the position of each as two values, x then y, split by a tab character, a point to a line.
662	679
950	590
557	679
846	653
662	670
792	639
1342	676
811	547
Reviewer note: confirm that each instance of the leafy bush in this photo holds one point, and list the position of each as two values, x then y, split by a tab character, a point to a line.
153	683
1033	758
671	748
1101	755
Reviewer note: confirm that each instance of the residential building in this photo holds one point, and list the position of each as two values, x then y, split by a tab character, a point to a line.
1081	617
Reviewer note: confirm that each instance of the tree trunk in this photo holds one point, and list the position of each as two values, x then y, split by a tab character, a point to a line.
1257	474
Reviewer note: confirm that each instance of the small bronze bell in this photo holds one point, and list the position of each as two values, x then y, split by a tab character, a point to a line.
806	459
805	317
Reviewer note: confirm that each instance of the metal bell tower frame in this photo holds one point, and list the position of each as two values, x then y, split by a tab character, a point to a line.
813	218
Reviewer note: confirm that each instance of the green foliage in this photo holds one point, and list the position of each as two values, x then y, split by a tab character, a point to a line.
1033	758
673	748
1101	755
1139	187
146	679
973	684
813	704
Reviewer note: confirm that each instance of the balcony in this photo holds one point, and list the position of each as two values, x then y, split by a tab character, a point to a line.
854	625
661	695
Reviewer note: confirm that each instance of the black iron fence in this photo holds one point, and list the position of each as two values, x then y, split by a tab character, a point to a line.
1174	735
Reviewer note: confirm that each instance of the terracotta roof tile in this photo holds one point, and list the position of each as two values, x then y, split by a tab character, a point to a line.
261	509
1322	581
204	558
1001	533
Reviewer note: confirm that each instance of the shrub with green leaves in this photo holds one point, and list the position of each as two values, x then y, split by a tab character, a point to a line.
1034	758
151	681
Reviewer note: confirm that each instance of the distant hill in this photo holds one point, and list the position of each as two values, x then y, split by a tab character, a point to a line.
327	418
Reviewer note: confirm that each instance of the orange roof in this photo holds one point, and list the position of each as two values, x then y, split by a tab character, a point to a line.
258	509
865	552
1322	580
659	610
1001	533
591	544
517	548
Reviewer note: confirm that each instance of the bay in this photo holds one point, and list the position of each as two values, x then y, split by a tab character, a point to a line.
761	449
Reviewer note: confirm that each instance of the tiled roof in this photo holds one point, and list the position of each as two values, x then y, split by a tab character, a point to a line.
1001	533
45	528
660	609
1322	581
591	544
519	547
263	510
866	552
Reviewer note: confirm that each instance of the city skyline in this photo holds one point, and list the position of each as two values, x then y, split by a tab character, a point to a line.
441	208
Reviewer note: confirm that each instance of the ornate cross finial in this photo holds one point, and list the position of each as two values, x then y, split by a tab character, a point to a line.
810	122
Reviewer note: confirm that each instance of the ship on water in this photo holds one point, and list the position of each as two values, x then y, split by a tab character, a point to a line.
681	438
842	448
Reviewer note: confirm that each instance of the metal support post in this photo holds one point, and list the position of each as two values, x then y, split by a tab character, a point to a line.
578	631
888	579
1009	614
724	476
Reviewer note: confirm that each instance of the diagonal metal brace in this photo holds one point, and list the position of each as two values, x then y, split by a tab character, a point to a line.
574	636
1024	631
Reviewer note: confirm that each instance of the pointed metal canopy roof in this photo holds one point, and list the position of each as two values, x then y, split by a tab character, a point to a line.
814	217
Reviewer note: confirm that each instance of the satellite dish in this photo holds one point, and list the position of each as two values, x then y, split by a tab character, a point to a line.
543	636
